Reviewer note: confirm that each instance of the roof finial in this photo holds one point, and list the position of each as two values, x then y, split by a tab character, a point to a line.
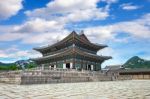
82	32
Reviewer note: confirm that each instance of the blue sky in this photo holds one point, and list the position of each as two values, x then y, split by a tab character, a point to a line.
124	25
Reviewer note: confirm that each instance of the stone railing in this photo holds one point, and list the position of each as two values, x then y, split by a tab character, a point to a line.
60	70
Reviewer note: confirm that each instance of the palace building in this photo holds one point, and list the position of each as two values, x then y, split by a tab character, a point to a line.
73	52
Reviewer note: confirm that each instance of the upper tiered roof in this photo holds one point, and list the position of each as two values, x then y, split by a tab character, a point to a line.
73	38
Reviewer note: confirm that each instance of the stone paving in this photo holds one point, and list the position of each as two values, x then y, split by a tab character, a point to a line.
135	89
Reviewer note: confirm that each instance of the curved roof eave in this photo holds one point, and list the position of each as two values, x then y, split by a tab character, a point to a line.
72	35
76	50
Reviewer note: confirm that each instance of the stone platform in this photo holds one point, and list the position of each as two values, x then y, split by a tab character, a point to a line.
52	76
64	76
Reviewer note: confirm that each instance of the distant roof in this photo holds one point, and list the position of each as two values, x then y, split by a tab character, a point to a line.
138	70
113	67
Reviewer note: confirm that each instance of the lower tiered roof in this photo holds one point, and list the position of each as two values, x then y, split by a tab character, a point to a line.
73	51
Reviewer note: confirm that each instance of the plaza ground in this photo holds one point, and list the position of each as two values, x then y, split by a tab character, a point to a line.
130	89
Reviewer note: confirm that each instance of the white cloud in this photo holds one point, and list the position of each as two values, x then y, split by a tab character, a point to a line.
86	15
38	25
2	54
129	6
72	10
63	7
14	53
116	56
25	53
42	31
110	1
139	28
6	28
45	38
11	36
9	8
33	31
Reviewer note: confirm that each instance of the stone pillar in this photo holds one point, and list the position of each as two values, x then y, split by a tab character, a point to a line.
54	66
49	66
71	65
42	67
64	65
92	67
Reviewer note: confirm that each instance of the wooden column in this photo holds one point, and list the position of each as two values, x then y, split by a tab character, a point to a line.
86	65
81	63
56	64
73	59
74	62
95	66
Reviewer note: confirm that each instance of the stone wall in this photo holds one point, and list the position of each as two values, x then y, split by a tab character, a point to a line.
133	77
47	79
10	77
